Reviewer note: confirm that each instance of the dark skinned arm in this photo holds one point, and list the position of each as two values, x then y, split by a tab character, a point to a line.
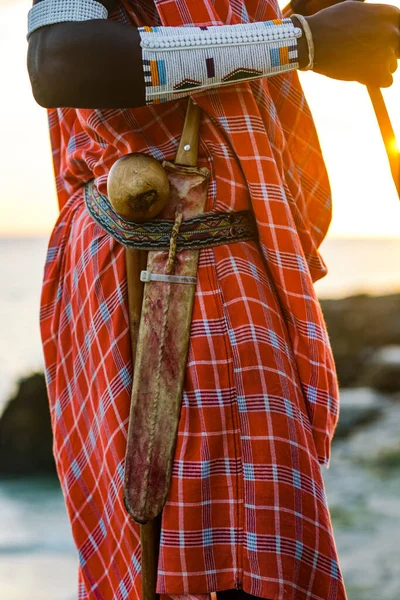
97	64
91	64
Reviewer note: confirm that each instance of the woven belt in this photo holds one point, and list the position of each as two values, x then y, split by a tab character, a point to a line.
204	231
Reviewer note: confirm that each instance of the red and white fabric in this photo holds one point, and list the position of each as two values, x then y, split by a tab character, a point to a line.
247	506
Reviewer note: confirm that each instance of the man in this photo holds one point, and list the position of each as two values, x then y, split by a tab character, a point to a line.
246	511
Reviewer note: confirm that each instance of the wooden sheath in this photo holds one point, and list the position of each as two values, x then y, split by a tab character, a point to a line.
161	356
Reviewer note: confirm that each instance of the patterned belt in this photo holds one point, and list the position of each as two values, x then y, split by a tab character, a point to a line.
204	231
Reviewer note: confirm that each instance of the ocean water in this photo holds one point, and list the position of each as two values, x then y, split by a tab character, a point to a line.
37	558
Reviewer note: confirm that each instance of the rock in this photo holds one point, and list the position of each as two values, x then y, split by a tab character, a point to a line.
382	371
25	431
358	407
358	326
377	444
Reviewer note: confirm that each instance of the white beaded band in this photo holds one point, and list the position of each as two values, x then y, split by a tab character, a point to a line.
178	61
49	12
310	41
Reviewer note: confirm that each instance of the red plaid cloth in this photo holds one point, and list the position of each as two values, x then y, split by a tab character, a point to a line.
247	506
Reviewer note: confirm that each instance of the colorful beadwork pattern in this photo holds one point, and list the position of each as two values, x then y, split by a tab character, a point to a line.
181	60
205	231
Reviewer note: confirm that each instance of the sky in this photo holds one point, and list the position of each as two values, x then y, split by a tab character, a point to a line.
365	202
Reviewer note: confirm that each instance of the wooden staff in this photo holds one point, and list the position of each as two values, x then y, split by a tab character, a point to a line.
387	132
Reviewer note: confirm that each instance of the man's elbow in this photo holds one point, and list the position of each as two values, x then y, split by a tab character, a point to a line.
44	72
40	92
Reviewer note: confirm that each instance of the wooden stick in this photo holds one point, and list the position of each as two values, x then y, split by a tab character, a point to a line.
150	548
136	261
189	143
387	132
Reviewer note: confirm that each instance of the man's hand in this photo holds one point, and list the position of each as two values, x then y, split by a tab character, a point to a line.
308	7
357	42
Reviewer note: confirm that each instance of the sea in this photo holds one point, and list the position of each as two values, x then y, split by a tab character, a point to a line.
37	556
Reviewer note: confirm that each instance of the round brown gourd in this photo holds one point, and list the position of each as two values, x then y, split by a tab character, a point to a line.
138	187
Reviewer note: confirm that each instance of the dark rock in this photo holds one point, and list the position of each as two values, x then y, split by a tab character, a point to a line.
357	327
383	370
358	407
25	431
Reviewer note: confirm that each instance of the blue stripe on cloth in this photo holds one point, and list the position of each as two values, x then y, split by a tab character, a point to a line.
121	472
299	549
301	263
312	331
288	408
94	247
297	478
248	471
205	469
197	394
71	144
58	409
244	15
102	527
75	469
123	590
312	394
251	541
52	253
242	406
232	337
75	278
136	564
68	312
207	537
105	313
48	376
232	536
126	377
273	338
334	569
92	439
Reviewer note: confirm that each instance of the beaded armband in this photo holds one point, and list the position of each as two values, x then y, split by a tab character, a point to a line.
178	61
49	12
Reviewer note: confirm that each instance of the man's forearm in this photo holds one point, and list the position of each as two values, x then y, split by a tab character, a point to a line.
98	64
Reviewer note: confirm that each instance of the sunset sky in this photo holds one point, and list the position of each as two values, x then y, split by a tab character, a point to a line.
364	197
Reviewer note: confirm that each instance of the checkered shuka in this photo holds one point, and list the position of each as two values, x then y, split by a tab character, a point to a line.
247	506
